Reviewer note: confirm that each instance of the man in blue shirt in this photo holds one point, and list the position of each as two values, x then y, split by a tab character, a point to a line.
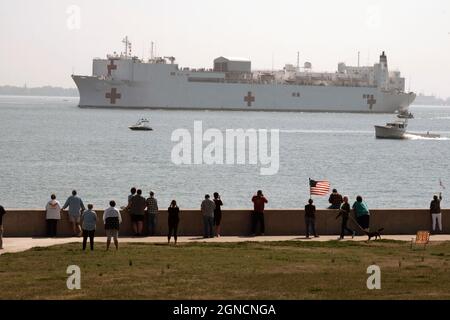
76	207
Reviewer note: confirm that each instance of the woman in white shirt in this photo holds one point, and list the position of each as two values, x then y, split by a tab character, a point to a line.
112	220
53	214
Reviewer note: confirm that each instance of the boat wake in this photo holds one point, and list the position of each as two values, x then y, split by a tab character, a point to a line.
411	136
324	131
441	118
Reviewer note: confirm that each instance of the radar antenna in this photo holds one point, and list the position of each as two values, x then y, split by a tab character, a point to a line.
152	54
127	44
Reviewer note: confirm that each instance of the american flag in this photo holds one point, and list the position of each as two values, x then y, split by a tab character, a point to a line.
319	188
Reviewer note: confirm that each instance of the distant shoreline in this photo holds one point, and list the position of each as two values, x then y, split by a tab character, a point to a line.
37	96
48	91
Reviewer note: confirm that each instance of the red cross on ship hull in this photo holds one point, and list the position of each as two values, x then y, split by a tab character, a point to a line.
249	98
371	101
113	96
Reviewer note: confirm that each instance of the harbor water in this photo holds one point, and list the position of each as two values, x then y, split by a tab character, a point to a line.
49	145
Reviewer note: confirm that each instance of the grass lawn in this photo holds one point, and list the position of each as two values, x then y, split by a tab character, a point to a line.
279	270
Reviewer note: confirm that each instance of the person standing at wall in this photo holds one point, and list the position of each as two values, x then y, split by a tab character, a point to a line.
76	207
152	210
89	225
207	208
2	213
344	212
112	220
136	209
259	202
131	195
53	215
435	211
335	200
362	213
217	213
310	219
173	221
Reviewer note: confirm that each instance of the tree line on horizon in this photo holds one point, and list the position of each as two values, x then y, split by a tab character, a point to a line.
39	91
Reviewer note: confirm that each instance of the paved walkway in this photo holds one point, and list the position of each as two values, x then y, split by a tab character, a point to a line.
23	244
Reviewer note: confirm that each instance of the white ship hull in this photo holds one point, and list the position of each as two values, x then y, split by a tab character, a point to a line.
124	82
96	92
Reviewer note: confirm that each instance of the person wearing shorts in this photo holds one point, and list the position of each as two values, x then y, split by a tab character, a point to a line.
76	207
112	220
137	211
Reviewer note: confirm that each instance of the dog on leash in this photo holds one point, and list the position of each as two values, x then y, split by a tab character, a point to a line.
374	234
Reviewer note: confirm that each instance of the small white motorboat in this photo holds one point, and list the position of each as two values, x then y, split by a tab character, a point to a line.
142	125
392	130
405	115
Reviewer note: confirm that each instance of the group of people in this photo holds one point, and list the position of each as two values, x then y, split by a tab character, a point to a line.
84	221
362	212
212	215
340	203
138	206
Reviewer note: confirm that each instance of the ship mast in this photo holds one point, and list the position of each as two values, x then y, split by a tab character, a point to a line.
152	55
127	44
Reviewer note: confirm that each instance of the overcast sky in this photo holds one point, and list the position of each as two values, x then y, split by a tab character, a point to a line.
42	41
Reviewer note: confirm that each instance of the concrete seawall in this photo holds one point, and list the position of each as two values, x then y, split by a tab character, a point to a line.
279	222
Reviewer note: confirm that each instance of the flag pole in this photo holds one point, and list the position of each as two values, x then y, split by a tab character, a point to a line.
309	185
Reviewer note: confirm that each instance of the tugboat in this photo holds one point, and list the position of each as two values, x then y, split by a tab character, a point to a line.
142	125
392	130
397	130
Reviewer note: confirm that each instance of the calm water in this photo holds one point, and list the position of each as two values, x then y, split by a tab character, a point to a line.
50	145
